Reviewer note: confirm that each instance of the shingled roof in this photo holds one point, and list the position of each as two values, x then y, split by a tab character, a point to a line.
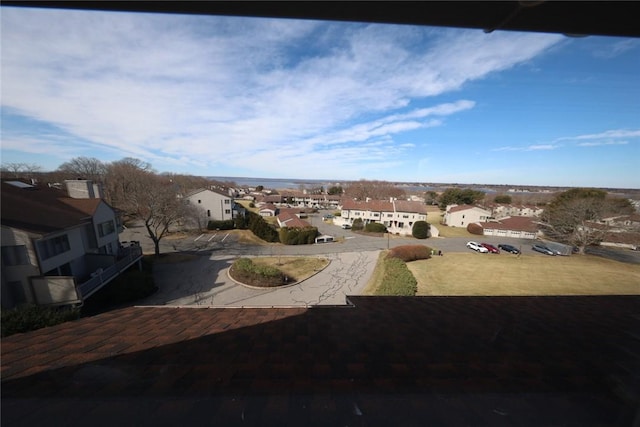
445	361
43	209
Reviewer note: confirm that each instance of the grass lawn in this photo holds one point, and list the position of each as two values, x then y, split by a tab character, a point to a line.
300	268
435	217
493	275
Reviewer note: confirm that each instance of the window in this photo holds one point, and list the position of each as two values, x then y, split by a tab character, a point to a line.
106	228
405	216
199	201
227	211
227	201
15	255
208	211
54	246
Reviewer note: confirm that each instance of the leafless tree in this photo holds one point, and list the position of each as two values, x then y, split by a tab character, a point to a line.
375	190
120	182
575	216
84	168
154	201
194	216
20	170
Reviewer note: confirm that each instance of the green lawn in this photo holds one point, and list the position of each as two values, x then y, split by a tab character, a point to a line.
493	275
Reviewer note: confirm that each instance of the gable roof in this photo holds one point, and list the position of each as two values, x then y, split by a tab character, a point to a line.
290	220
459	208
43	209
200	190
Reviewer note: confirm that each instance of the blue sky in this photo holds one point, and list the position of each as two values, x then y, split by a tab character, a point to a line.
230	96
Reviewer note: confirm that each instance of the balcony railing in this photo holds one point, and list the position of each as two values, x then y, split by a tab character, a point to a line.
129	256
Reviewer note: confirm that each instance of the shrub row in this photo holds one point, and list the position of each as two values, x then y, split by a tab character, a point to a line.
228	224
31	317
358	224
298	236
253	274
375	227
261	228
409	253
397	280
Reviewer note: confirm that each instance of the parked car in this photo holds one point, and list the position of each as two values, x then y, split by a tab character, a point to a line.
543	249
477	247
346	226
509	248
492	249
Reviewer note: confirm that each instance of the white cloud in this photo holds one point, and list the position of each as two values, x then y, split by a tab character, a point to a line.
211	90
595	144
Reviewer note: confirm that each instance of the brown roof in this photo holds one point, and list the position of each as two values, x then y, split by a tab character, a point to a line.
372	205
43	209
445	361
290	220
515	223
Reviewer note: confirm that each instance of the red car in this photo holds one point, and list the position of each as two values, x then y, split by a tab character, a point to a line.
492	249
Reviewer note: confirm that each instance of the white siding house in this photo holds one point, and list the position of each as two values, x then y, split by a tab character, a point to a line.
217	206
463	215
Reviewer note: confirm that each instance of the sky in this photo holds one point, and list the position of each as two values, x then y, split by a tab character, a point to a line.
276	98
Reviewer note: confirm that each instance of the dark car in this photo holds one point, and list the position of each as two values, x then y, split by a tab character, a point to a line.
492	249
509	248
543	249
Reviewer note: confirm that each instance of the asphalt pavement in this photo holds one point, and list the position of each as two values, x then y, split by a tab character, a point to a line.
204	281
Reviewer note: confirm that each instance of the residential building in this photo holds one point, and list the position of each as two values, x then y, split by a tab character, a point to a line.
518	227
504	210
216	205
397	215
291	220
268	210
58	249
463	215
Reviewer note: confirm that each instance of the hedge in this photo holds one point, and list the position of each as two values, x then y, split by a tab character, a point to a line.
261	228
228	224
375	227
409	253
31	317
298	236
397	280
246	271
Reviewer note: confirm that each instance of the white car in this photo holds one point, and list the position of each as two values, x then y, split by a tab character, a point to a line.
477	247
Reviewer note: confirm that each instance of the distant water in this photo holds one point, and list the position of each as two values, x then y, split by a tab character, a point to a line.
275	183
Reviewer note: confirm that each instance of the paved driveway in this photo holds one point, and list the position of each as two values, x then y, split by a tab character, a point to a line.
204	282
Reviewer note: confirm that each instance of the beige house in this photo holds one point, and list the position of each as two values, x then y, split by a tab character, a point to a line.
397	215
58	250
514	227
463	215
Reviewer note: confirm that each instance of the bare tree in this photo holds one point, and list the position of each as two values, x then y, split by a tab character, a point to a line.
20	170
375	190
84	168
155	202
120	182
574	216
195	216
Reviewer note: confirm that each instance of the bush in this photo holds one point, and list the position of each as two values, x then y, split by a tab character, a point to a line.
375	227
261	228
421	229
228	224
357	224
298	236
476	229
31	317
397	280
253	274
409	253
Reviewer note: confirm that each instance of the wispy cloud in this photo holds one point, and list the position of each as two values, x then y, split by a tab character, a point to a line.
239	91
534	147
598	143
